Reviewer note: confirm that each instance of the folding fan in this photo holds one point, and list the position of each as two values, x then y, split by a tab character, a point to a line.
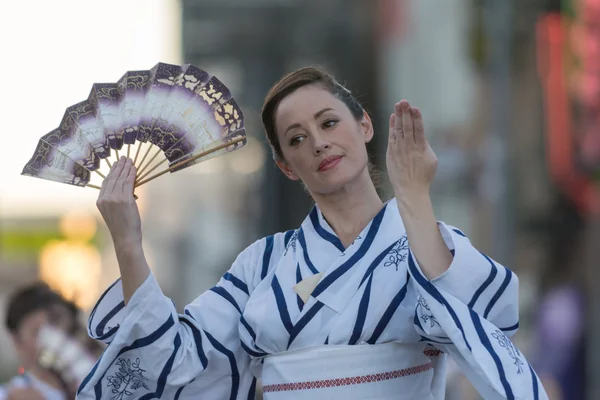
182	112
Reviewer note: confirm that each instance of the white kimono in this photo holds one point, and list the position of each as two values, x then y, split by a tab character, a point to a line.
373	327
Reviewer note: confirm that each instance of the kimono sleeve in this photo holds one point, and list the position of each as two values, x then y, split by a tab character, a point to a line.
154	352
485	354
481	283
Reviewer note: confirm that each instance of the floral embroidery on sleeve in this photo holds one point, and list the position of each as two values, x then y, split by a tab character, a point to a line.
128	379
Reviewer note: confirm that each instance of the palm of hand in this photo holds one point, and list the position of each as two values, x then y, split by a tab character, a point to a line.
411	162
117	204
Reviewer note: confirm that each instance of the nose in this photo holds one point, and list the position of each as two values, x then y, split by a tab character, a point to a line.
321	145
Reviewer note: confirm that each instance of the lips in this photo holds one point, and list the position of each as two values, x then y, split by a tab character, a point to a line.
329	163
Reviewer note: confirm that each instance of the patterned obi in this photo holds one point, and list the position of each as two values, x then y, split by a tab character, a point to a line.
382	372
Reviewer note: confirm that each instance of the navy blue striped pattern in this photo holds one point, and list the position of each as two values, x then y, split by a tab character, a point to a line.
485	284
251	352
91	373
536	394
162	379
388	314
345	267
138	343
281	305
178	393
298	280
376	262
307	260
510	328
227	296
221	291
235	374
430	340
267	256
459	232
252	391
242	320
488	346
304	321
107	317
108	334
93	313
431	289
287	236
497	295
334	240
197	340
238	283
363	308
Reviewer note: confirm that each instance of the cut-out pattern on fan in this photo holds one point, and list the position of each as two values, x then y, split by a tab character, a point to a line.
170	116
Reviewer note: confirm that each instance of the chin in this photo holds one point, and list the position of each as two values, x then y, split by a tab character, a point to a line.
334	182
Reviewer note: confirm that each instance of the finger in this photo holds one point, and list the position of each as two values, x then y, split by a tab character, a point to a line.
407	121
103	185
115	175
392	127
129	173
419	130
106	181
399	129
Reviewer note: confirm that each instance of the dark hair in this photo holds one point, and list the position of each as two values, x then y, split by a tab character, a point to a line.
32	298
290	83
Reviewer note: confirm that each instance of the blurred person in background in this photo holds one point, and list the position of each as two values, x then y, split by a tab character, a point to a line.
31	311
560	352
341	307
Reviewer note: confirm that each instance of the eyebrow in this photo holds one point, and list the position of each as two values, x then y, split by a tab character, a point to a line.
317	115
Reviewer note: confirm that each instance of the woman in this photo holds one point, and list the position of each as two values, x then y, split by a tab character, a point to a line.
30	311
341	307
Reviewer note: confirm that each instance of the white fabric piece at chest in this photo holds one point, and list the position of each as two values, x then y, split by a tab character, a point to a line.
379	372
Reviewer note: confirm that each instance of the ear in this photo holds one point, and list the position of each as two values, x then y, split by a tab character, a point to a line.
367	127
286	169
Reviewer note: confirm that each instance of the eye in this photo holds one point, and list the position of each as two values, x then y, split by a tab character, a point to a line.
296	140
330	123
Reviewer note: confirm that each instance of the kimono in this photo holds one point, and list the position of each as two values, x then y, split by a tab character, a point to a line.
372	327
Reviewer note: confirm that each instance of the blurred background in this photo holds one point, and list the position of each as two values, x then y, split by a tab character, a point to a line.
510	92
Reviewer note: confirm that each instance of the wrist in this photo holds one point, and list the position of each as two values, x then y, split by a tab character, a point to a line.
128	247
414	203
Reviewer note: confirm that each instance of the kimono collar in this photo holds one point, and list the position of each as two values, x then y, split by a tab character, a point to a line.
346	271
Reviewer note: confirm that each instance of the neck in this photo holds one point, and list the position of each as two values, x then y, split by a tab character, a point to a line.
351	208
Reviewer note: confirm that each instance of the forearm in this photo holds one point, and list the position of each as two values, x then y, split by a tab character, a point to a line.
133	267
424	236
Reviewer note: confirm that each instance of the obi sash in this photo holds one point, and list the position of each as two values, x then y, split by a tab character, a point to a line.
379	372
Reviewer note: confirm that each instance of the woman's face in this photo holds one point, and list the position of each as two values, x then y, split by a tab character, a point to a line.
25	338
322	143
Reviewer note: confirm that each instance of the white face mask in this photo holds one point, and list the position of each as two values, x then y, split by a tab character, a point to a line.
64	355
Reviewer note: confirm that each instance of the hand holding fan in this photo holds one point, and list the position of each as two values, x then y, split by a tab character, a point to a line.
184	113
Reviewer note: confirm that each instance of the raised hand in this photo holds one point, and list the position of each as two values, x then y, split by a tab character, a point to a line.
118	207
411	162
